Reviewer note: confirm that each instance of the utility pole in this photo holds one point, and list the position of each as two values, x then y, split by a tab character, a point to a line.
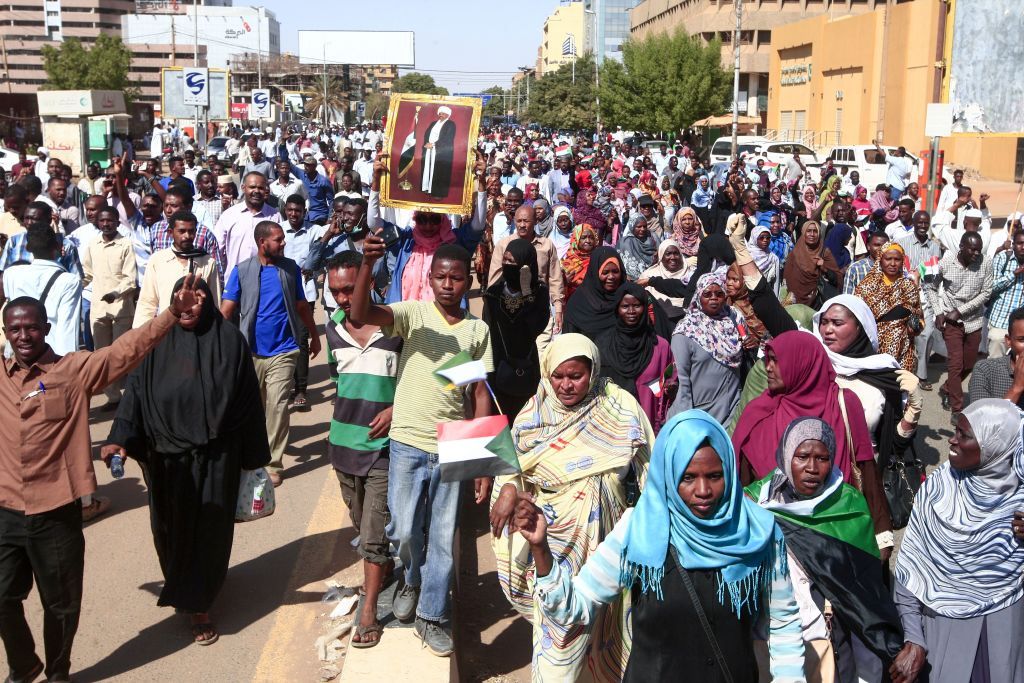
259	51
736	79
195	62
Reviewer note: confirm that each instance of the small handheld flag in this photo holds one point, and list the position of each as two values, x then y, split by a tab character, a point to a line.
460	370
468	449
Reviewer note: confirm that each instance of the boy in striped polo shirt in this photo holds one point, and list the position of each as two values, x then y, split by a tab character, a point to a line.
434	332
367	363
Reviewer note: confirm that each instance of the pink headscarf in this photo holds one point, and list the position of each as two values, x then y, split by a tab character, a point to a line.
416	275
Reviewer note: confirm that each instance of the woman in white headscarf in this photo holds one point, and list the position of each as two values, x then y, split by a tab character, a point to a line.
670	265
561	230
958	574
768	263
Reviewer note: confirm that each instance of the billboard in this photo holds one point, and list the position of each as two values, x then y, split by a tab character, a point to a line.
172	94
985	53
357	47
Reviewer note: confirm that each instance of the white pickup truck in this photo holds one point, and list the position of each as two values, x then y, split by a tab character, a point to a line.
868	162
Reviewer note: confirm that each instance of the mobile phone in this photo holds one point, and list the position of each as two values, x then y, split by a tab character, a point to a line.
389	233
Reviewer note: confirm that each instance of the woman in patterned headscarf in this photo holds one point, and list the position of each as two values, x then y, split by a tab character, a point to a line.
583	445
708	352
895	301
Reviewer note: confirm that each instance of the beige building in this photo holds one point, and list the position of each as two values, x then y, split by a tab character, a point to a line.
712	19
565	23
851	79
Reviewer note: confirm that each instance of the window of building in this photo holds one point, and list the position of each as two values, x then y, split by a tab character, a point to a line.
764	37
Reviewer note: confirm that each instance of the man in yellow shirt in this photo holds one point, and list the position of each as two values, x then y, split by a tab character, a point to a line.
167	266
108	263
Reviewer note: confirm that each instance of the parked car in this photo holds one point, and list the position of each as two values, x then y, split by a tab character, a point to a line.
216	149
781	152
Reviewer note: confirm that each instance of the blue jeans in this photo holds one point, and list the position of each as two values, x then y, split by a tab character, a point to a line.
895	194
420	501
87	325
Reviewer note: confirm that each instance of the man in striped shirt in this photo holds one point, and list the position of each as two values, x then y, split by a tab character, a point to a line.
367	364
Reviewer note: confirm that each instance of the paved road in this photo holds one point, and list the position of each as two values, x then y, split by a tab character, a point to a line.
267	612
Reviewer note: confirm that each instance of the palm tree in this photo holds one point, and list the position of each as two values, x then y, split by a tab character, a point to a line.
327	101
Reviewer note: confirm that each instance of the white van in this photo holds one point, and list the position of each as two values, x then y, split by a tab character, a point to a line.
721	150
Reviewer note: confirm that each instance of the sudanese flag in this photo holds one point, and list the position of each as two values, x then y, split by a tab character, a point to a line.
835	545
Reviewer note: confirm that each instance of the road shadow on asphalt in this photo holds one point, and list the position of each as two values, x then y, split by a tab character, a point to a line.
253	590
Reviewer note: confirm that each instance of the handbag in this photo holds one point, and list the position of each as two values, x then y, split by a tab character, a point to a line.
255	496
901	479
858	478
826	290
715	649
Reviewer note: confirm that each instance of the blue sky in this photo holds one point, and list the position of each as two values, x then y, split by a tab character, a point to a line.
451	35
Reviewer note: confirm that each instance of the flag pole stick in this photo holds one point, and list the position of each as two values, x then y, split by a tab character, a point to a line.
493	397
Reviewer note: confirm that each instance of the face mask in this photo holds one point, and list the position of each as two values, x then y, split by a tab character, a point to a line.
510	272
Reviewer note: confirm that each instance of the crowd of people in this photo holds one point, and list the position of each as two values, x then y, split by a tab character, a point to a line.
713	376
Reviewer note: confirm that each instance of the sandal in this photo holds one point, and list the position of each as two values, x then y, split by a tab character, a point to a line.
300	403
98	506
362	631
204	633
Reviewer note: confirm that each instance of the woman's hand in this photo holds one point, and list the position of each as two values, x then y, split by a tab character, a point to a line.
908	663
1018	525
503	508
188	299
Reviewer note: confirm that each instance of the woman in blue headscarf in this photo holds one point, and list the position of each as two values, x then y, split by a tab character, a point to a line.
702	562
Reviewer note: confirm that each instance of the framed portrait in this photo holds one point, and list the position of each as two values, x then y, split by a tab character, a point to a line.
431	143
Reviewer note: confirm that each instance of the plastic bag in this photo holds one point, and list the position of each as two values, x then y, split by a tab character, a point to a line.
255	496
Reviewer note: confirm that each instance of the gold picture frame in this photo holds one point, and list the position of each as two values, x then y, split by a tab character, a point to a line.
414	118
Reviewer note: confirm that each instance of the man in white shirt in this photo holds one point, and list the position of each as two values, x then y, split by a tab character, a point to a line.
192	169
903	225
898	174
286	185
951	191
59	291
156	142
364	167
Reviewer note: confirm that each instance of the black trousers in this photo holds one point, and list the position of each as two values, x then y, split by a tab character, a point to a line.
302	363
50	548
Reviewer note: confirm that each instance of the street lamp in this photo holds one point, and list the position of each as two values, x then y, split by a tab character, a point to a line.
597	71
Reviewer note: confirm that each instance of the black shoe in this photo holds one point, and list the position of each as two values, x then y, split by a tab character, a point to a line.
27	678
954	418
945	399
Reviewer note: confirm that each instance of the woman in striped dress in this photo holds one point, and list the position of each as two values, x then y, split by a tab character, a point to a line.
583	445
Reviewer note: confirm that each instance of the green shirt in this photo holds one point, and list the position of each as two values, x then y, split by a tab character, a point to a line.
421	400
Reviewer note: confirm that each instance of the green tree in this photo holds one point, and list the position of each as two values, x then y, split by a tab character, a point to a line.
498	106
327	102
417	83
376	105
103	67
556	101
664	83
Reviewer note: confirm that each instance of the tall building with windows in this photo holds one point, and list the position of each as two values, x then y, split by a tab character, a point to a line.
611	26
565	37
712	19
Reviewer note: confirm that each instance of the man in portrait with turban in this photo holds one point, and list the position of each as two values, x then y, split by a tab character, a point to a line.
438	152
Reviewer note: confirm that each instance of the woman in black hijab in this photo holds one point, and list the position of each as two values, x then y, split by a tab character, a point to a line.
591	309
192	418
516	309
635	357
